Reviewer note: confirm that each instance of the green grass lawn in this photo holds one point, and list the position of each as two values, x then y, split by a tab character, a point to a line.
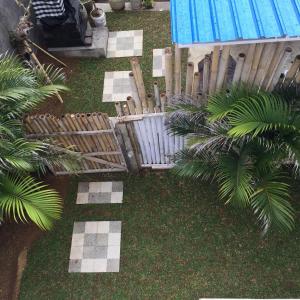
178	242
86	82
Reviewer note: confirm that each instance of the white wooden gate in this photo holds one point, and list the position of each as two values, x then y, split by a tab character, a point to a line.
157	145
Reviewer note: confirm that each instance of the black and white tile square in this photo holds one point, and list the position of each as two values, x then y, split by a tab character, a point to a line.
125	43
100	192
159	64
95	247
116	86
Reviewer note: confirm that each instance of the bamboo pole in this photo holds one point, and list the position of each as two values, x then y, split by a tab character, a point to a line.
267	56
156	94
134	143
280	69
177	79
196	86
92	125
169	72
214	69
125	109
223	67
138	76
157	109
87	141
248	63
150	103
119	109
108	139
46	52
42	69
124	139
297	78
189	79
106	145
131	106
163	101
206	73
238	68
292	71
274	64
256	59
135	94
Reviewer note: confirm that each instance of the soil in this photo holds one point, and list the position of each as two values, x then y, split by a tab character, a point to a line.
15	239
52	105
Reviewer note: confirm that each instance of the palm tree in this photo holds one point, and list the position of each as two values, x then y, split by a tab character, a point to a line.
247	141
21	197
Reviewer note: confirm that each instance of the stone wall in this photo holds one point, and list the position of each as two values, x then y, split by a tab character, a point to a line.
9	17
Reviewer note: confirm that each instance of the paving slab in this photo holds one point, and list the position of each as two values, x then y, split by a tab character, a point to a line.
100	192
125	43
116	86
159	63
95	247
158	6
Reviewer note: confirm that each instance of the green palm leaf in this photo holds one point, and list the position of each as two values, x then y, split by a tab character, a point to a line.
260	114
24	199
221	104
235	178
189	163
270	203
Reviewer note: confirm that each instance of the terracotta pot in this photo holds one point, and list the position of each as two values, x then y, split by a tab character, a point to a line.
117	4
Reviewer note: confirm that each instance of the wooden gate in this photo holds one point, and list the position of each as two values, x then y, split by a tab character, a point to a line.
91	135
156	146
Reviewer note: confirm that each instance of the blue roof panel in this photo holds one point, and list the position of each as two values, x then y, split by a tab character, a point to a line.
221	21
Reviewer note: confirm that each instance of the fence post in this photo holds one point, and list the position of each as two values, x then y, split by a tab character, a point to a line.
126	146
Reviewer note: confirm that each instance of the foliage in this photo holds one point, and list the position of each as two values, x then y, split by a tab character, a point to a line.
245	140
21	198
148	4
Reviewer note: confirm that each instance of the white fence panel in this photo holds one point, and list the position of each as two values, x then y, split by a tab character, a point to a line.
157	145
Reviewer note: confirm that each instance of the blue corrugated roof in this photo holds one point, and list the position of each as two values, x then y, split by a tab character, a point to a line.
221	21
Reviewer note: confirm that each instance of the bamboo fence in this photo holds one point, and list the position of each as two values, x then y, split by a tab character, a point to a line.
89	134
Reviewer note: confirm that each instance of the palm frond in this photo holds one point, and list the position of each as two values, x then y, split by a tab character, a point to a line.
23	199
222	103
235	178
270	203
259	115
188	163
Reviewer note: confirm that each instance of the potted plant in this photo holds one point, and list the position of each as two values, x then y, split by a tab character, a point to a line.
136	4
98	16
117	4
148	4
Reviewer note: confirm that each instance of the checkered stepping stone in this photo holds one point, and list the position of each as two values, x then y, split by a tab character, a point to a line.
95	247
116	86
125	43
100	192
159	64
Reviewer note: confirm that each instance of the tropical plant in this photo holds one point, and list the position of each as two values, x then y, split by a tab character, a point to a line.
248	141
21	197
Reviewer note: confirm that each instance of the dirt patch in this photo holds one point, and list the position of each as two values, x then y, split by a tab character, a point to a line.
52	105
15	239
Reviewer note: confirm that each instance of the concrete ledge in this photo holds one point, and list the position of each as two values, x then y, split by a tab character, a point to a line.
97	49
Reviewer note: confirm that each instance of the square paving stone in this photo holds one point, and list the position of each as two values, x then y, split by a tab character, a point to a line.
100	192
116	86
125	43
159	64
95	247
